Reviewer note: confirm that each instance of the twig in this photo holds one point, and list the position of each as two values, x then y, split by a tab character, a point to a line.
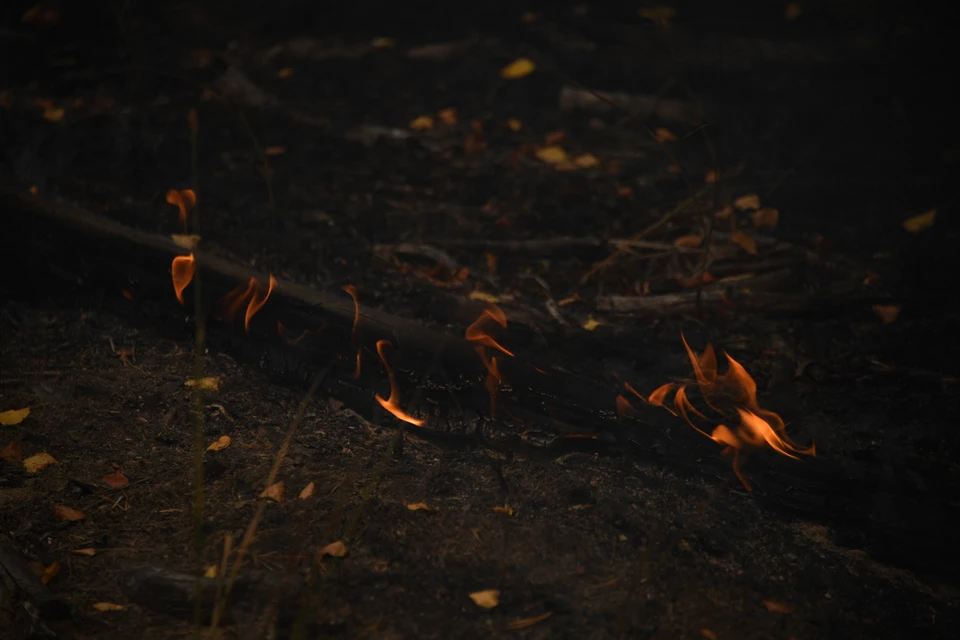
426	250
677	110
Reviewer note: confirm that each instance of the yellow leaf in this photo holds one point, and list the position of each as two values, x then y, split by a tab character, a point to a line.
507	509
14	416
552	154
50	573
286	72
116	480
692	241
486	297
275	150
37	462
448	116
514	125
210	572
765	218
308	491
743	239
69	514
334	549
887	313
659	14
87	551
792	12
383	43
275	492
749	201
916	224
220	444
421	123
663	135
777	607
207	384
519	68
488	598
419	506
107	606
586	161
591	323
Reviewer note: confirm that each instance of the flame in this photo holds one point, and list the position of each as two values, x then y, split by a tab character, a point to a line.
251	295
182	270
624	408
391	404
184	200
656	398
352	290
494	379
257	302
475	332
737	389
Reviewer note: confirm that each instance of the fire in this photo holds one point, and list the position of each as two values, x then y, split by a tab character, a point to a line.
475	332
184	200
494	379
182	269
252	296
392	404
656	398
352	291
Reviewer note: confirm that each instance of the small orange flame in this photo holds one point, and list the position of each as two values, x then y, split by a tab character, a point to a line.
182	270
624	408
257	302
475	332
656	398
184	200
494	379
391	404
251	295
352	291
285	334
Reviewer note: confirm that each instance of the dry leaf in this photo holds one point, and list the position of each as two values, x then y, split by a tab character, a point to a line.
491	260
777	607
591	323
871	279
486	297
87	551
54	114
14	416
744	241
220	444
708	634
286	72
529	16
565	166
507	509
448	116
211	383
586	161
749	201
724	213
107	606
514	125
116	480
13	452
50	573
691	241
69	515
308	491
421	123
275	150
419	506
383	43
210	572
275	492
916	224
334	549
523	623
554	137
38	462
488	598
519	68
552	154
663	135
569	300
185	241
659	14
711	177
765	218
887	313
624	191
792	12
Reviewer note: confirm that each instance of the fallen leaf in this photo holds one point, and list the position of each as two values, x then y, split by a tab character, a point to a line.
692	241
507	509
421	123
210	572
871	279
624	191
50	573
777	607
523	623
68	514
107	606
308	491
514	125
765	218
711	177
586	161
565	166
419	506
275	150
38	462
887	313
744	241
552	154
488	598
569	300
334	549
54	114
491	260
663	135
13	452
519	68
659	14
220	444
116	480
529	16
554	137
186	241
14	416
916	224
591	323
709	635
448	116
275	492
87	551
673	167
486	297
383	43
286	72
210	383
792	12
749	201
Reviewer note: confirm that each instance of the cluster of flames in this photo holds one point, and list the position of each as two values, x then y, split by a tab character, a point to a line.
732	395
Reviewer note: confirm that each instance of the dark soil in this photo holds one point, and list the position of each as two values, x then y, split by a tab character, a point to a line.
823	116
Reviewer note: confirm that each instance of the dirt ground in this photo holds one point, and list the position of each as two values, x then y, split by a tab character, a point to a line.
307	165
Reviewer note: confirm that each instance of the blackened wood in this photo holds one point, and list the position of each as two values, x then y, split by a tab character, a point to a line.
16	576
